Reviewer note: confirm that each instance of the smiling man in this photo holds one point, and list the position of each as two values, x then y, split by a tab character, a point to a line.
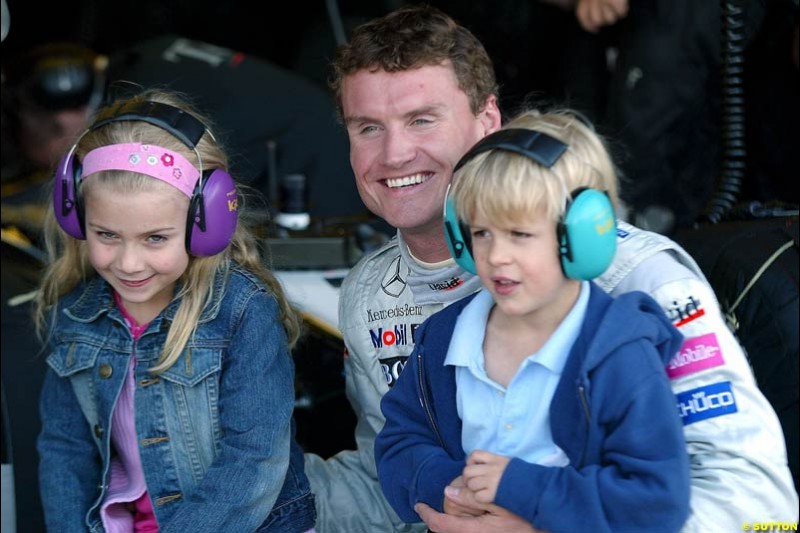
404	143
415	92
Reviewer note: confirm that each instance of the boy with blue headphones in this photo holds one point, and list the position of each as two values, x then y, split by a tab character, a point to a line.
540	394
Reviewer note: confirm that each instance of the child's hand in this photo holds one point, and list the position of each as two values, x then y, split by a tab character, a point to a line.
483	472
457	488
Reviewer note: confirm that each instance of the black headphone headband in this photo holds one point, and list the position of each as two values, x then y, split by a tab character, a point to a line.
540	147
182	125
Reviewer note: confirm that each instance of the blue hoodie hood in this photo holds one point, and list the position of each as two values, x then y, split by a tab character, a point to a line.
629	318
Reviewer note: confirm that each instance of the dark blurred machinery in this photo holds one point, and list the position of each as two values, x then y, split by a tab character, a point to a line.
273	122
23	368
746	238
276	125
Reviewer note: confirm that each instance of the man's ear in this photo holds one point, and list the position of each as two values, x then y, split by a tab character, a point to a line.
490	116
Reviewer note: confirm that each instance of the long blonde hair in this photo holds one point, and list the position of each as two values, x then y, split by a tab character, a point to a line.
69	263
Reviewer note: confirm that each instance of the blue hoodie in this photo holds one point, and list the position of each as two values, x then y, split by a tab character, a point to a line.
613	414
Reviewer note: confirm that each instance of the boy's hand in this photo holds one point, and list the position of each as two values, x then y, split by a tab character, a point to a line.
483	472
455	508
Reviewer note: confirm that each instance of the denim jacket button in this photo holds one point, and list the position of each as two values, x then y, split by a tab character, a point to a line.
98	431
106	371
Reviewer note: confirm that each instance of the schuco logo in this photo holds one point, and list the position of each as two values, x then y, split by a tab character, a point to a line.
706	402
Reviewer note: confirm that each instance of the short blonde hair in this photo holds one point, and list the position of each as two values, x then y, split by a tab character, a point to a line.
506	186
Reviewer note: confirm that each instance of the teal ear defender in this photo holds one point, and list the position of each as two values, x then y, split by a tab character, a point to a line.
586	232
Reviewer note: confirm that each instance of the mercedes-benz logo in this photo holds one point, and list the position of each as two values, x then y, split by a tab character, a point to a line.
393	283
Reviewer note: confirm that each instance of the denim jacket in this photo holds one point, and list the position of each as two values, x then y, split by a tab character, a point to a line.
215	430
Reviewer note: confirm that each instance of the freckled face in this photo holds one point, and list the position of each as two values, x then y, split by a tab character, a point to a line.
407	131
136	243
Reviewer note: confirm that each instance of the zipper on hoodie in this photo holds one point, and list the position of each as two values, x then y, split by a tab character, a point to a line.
585	405
423	398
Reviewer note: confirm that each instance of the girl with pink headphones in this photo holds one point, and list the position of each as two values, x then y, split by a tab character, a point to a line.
168	401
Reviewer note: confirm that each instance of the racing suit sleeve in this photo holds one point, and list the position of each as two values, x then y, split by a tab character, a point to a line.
734	439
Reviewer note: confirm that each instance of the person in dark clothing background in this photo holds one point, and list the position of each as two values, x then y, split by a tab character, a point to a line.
676	82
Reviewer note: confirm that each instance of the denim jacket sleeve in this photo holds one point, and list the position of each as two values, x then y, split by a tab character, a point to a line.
256	402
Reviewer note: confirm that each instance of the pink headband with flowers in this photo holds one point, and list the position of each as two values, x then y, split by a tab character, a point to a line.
148	159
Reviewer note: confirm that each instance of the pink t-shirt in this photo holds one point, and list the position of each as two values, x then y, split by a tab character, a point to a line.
127	507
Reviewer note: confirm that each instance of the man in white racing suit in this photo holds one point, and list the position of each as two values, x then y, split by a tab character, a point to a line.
402	88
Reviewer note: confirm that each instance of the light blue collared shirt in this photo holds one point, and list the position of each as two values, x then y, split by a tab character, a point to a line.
512	421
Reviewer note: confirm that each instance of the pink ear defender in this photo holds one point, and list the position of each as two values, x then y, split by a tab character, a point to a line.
213	208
